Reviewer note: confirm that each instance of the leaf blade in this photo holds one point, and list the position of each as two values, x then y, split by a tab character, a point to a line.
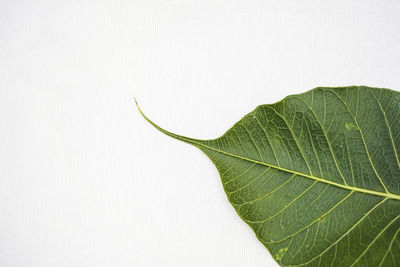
292	168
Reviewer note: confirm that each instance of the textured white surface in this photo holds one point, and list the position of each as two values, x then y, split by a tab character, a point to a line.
85	181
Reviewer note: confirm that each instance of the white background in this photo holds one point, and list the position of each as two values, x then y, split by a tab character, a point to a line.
85	181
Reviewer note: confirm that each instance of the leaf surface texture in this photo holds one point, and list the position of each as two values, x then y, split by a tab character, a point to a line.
317	175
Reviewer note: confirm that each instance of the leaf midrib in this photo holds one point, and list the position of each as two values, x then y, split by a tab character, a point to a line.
198	144
351	188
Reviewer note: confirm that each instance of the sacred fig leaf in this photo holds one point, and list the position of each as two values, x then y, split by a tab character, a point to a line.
317	175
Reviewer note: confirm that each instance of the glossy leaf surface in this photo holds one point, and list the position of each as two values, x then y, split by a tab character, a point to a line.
317	176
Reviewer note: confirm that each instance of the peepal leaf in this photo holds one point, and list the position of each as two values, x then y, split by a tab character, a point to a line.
317	175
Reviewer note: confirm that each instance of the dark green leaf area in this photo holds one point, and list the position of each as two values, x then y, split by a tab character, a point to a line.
328	193
317	176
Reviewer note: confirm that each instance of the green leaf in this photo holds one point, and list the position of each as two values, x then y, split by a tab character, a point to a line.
317	175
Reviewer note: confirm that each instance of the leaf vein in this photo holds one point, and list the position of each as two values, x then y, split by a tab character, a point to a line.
345	234
362	137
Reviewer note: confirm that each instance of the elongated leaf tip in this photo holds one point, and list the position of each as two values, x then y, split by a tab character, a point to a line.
176	136
136	103
151	122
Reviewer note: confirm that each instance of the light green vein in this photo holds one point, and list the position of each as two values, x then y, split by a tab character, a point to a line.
389	129
345	234
266	135
374	240
294	138
250	182
286	207
326	137
362	137
390	247
269	193
318	219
